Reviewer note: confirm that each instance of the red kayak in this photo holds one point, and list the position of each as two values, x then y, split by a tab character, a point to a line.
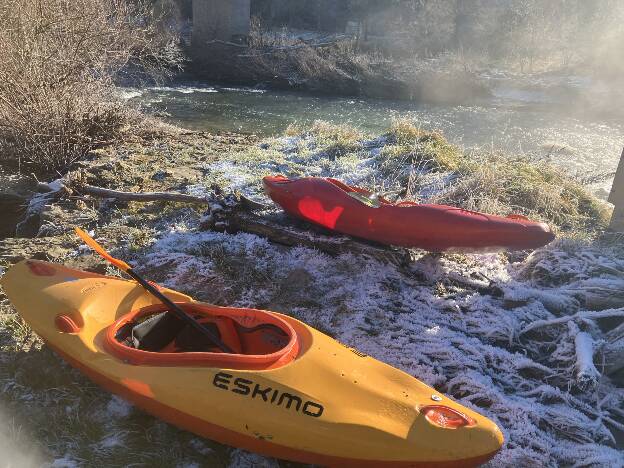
357	212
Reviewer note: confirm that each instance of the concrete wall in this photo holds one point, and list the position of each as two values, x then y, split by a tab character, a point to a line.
219	20
617	198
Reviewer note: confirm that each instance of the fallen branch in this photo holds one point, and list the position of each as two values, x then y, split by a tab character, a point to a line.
283	230
150	196
584	315
587	375
232	213
140	197
227	43
288	48
598	297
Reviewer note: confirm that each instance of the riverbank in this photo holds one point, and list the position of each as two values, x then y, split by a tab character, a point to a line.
514	121
457	322
333	66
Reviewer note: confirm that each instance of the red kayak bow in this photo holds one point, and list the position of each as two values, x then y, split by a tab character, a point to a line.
357	212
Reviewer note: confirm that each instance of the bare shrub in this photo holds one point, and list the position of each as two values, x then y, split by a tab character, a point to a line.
58	60
333	64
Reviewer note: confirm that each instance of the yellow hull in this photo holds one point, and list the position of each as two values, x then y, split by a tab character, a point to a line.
330	405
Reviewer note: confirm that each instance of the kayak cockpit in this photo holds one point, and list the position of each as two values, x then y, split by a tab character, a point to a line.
154	336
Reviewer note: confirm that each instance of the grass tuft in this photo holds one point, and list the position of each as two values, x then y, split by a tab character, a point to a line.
489	182
502	185
336	140
413	150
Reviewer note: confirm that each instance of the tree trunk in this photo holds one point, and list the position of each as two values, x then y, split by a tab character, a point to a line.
614	350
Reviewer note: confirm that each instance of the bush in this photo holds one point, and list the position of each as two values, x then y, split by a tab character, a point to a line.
332	67
58	61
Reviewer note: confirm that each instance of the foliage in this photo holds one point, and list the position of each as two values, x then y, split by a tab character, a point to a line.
58	61
411	150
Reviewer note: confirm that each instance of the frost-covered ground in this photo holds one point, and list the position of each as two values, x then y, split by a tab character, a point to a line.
430	321
454	321
457	322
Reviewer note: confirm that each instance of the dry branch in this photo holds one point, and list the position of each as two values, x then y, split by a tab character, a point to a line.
232	213
583	315
276	50
586	373
140	197
226	43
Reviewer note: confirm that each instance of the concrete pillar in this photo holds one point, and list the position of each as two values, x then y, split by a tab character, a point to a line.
617	198
223	20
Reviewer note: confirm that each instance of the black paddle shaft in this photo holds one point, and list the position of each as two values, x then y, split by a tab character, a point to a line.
173	307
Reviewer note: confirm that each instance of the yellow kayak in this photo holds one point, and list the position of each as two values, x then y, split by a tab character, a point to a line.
286	390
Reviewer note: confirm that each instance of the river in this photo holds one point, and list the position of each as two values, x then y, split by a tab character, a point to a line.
514	120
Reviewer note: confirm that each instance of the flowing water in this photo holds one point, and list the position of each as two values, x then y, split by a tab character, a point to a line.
514	120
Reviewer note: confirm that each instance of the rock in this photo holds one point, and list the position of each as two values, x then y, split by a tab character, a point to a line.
28	227
14	195
11	209
13	250
161	175
34	213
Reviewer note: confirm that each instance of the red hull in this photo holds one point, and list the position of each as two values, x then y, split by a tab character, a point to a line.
328	202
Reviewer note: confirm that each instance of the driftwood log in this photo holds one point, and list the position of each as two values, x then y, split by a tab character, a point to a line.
587	374
276	50
127	196
234	213
614	350
280	229
583	315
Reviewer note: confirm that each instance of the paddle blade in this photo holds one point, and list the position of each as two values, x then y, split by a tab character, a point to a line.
98	248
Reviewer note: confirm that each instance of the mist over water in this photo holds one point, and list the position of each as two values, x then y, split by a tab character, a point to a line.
514	120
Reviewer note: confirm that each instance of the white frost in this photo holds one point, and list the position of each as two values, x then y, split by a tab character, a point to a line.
467	345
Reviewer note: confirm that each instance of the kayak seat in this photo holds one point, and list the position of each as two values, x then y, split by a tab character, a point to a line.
153	335
192	340
155	332
261	339
164	332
